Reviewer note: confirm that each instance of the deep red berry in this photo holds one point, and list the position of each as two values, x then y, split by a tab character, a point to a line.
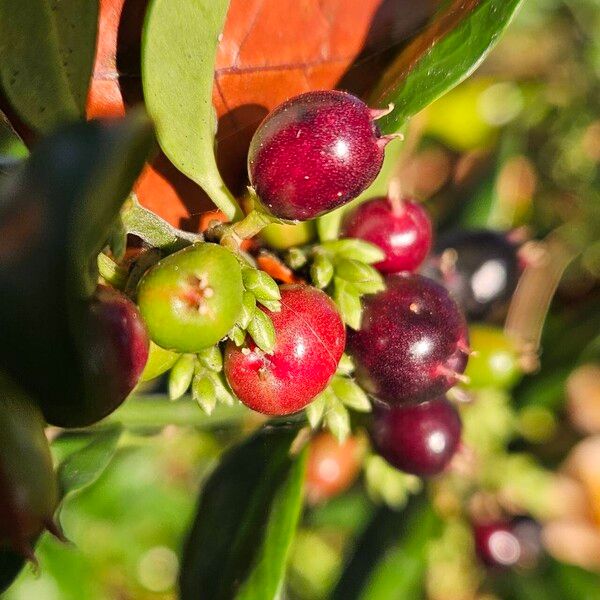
332	466
479	268
417	438
496	544
401	229
309	342
314	153
413	341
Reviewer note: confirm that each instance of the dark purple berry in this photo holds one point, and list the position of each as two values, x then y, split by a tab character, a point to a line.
413	342
401	229
479	268
314	153
417	438
496	544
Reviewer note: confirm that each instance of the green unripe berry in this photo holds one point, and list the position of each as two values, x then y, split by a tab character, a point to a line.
191	299
494	362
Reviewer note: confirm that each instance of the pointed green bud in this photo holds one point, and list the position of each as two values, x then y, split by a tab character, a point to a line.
261	284
237	335
262	331
295	258
211	358
346	365
203	391
337	419
222	391
347	299
314	411
321	271
181	375
351	394
248	309
355	249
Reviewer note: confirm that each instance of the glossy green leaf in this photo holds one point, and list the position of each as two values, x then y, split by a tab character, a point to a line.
47	50
449	49
321	271
180	376
179	47
246	519
261	284
355	249
69	192
347	300
262	331
389	559
351	394
84	467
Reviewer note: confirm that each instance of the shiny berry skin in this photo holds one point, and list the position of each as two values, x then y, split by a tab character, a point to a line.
402	230
332	466
191	299
314	153
494	361
309	342
413	342
480	269
420	439
496	544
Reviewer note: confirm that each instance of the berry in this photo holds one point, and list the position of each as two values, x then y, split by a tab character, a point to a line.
191	299
401	229
479	268
28	487
282	236
309	341
114	353
494	361
412	344
332	466
417	438
314	153
496	544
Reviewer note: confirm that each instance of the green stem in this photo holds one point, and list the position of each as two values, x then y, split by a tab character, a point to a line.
152	229
111	272
222	199
156	410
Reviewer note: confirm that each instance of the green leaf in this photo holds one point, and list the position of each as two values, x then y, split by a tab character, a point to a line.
180	376
47	50
84	467
262	331
261	284
449	49
390	558
179	45
237	335
11	144
211	358
346	365
72	187
357	271
351	394
347	300
355	249
222	391
246	519
272	305
321	271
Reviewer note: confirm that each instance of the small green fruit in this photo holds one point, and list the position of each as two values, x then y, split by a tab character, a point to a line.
494	362
282	236
192	298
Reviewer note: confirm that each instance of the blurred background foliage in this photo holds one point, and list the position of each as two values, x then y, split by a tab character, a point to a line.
516	147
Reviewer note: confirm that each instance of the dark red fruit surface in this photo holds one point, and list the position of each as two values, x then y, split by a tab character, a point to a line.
412	344
314	153
417	438
402	230
496	544
332	466
309	341
480	269
117	348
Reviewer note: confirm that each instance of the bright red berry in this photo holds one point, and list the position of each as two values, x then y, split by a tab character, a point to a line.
309	342
412	344
401	229
417	438
314	153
